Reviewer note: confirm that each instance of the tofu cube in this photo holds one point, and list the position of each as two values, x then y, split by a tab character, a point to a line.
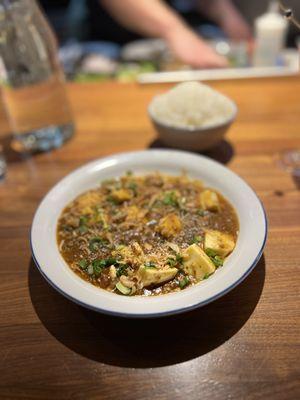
209	200
197	263
169	225
153	276
87	201
221	243
121	195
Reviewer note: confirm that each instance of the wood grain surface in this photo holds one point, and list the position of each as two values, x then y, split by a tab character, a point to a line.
243	346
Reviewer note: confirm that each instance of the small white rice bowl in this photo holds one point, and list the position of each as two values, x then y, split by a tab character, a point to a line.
193	105
192	116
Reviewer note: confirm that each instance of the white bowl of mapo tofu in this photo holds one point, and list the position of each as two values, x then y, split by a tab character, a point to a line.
148	233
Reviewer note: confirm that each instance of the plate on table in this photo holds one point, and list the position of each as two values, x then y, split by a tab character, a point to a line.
248	250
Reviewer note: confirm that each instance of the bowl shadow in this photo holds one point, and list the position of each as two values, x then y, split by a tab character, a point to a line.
222	152
145	343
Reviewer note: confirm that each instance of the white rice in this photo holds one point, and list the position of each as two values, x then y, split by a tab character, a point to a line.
192	105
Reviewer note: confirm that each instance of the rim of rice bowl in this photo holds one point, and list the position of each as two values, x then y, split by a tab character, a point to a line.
206	126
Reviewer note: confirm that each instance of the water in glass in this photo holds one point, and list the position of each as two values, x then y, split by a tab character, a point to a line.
32	80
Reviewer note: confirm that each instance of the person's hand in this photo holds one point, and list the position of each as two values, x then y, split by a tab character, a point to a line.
226	15
189	48
235	27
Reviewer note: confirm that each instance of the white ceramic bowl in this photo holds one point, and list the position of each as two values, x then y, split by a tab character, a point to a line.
192	138
250	244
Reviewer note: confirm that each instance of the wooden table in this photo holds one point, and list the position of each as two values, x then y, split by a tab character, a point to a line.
243	346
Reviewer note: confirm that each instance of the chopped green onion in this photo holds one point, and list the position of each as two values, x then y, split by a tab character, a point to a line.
170	199
184	282
82	224
207	276
83	229
97	270
83	220
133	186
122	270
99	217
171	261
174	261
218	261
83	263
179	258
95	242
98	265
112	200
110	261
106	262
201	213
123	289
210	252
196	239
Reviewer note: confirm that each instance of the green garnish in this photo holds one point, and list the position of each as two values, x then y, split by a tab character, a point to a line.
99	263
217	260
99	217
82	224
207	276
106	262
83	263
112	200
150	264
123	289
83	229
110	261
201	213
95	242
133	186
129	173
122	270
174	261
98	266
196	239
171	261
170	199
210	252
83	220
97	270
184	282
179	258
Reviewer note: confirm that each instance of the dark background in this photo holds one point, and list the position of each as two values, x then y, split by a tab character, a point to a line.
87	20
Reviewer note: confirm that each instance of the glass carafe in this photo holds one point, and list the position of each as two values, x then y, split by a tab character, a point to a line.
32	81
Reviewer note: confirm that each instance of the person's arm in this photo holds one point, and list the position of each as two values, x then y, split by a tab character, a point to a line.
226	15
156	19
